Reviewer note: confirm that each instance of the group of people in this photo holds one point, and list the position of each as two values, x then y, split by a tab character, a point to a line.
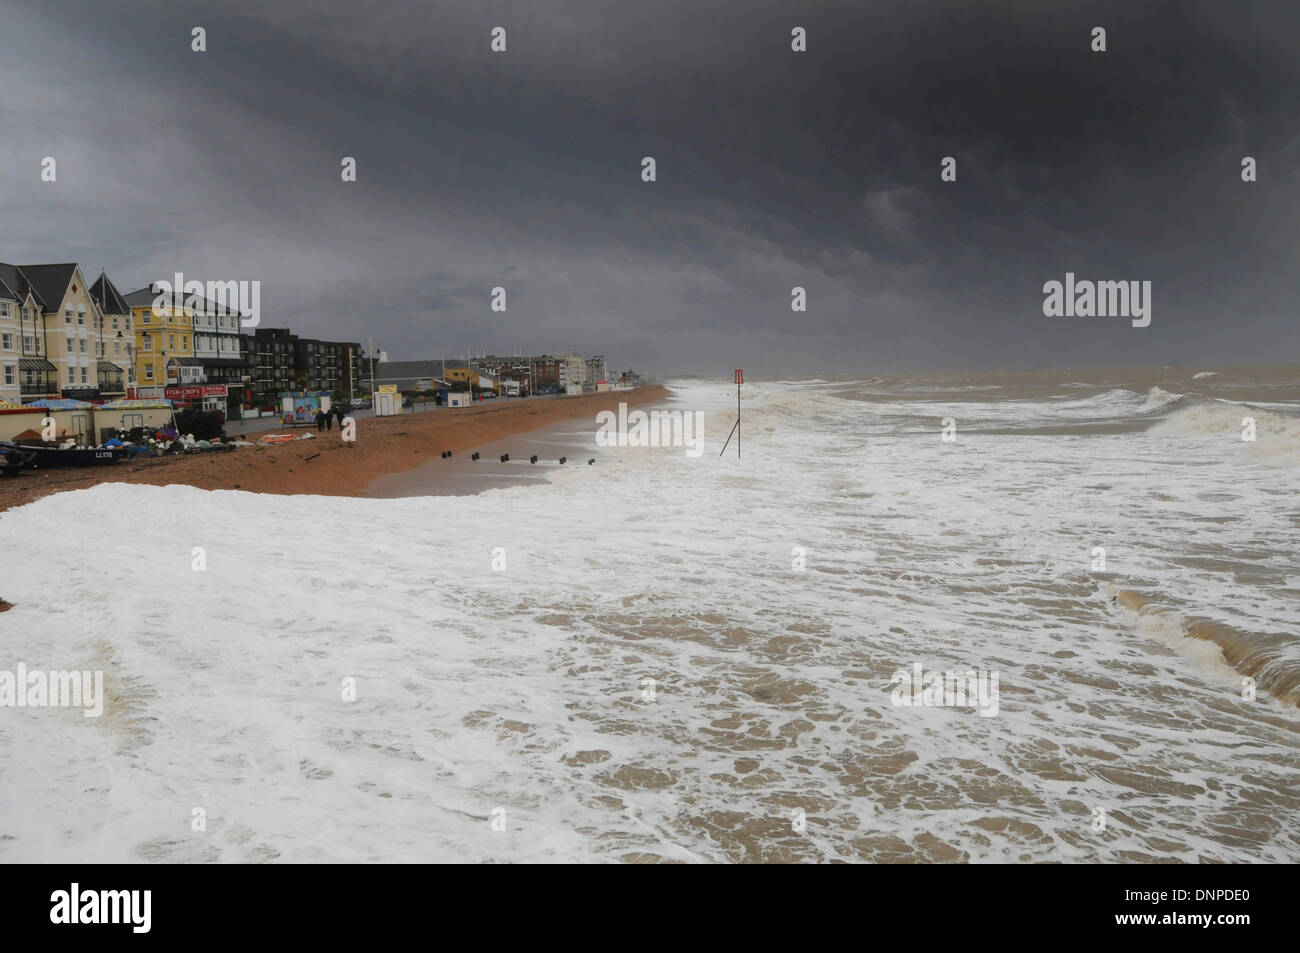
325	418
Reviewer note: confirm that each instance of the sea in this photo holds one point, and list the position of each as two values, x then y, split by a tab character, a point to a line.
666	657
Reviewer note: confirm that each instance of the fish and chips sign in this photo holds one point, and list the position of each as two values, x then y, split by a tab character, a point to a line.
183	394
194	393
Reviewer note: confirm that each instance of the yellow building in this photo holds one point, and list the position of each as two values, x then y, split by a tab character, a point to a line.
164	340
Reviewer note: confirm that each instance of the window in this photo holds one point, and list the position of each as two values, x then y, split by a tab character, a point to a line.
81	316
7	342
115	324
83	375
27	344
9	373
67	316
171	341
146	317
83	345
148	372
4	309
185	342
117	348
148	343
69	345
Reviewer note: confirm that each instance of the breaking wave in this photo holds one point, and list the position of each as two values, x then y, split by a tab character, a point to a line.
1255	655
1277	436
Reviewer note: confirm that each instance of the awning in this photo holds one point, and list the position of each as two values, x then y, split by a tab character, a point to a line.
62	404
35	364
111	368
137	403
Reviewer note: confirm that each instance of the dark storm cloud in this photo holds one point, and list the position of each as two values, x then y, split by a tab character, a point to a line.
775	169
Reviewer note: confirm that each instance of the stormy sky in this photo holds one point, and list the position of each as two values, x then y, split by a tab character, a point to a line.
775	169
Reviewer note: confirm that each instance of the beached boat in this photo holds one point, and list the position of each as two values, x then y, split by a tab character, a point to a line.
45	458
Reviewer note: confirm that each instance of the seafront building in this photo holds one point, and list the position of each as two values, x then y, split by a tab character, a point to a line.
327	365
217	350
164	350
281	361
12	307
573	373
115	344
57	336
63	338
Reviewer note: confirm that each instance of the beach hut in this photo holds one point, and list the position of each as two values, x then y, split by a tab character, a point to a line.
72	418
18	419
128	413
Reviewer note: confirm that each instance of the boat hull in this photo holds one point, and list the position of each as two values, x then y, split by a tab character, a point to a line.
48	458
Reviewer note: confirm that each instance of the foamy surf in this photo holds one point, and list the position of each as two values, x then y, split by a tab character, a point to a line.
688	659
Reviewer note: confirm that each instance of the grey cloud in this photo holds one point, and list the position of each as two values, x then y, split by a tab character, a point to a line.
775	169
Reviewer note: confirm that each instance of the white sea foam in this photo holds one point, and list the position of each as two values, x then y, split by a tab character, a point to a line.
523	689
1157	398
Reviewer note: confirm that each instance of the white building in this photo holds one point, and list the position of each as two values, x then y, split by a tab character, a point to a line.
573	373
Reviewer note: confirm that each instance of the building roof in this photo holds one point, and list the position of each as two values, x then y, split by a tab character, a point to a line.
405	384
11	281
388	371
107	297
50	281
145	297
13	278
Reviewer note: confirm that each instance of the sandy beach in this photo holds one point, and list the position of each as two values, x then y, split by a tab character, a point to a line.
384	446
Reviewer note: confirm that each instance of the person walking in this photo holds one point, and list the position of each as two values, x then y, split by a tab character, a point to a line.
338	415
320	421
